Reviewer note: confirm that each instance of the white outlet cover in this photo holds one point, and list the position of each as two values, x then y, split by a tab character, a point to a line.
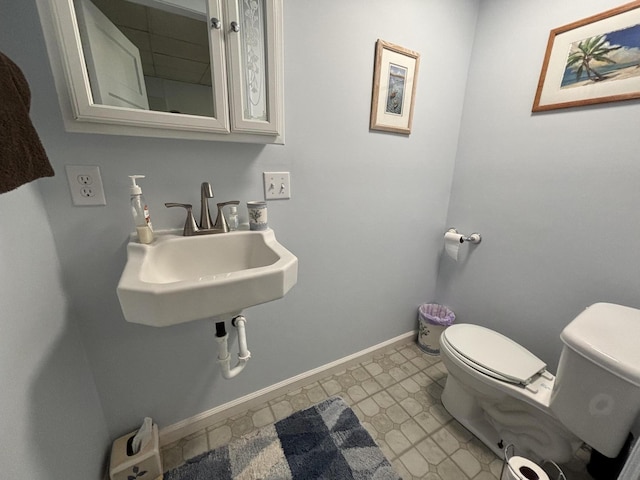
277	185
85	185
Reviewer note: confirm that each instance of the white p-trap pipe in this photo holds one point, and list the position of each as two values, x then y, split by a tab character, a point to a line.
224	358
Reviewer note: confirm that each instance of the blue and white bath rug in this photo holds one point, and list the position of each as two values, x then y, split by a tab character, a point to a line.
325	441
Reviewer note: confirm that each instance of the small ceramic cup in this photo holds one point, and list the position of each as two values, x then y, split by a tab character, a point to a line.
257	215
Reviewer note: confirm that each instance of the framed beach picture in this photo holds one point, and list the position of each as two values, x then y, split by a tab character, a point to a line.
594	60
394	88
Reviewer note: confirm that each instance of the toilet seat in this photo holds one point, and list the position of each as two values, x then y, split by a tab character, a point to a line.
493	354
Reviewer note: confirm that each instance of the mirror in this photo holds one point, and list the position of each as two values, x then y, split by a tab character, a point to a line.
147	55
167	68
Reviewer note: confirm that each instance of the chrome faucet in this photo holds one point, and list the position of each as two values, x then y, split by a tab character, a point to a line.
206	226
206	192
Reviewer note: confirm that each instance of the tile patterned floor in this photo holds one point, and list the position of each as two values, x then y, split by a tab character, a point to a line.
396	396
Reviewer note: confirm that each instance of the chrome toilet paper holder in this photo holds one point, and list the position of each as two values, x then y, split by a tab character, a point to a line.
474	238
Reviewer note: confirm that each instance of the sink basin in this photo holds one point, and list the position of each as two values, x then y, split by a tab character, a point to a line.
177	279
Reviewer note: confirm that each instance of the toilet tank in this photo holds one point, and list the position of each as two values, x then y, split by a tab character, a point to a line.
597	390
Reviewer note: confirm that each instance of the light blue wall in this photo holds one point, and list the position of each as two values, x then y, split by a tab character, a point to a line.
52	423
365	220
555	195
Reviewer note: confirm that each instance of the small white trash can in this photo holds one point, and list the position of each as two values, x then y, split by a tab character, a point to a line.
432	320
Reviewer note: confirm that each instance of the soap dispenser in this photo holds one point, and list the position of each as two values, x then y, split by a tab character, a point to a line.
140	212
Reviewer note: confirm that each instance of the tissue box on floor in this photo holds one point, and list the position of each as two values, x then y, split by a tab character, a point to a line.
145	464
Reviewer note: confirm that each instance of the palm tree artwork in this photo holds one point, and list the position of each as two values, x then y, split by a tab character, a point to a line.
595	48
609	56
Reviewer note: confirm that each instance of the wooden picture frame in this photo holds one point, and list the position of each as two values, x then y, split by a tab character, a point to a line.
594	60
395	79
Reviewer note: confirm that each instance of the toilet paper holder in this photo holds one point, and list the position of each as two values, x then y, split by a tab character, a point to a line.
474	238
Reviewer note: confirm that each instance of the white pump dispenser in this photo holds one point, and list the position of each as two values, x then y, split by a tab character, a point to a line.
140	212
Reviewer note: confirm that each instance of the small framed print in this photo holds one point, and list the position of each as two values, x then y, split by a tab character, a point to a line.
394	88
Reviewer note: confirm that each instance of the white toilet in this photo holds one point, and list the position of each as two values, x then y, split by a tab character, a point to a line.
504	395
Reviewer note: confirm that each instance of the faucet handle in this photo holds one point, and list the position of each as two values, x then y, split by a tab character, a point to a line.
190	226
221	222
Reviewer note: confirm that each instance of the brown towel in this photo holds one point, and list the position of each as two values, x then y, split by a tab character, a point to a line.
22	156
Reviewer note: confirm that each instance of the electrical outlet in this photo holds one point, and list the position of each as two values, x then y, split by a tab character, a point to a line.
277	185
85	179
85	185
87	192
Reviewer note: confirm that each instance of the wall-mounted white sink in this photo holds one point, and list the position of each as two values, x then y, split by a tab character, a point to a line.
177	279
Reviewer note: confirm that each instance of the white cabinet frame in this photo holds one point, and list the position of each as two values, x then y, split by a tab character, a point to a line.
80	114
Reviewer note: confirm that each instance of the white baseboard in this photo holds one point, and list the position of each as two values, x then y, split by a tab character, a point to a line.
175	432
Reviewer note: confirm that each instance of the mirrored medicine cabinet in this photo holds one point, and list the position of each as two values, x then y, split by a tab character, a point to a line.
201	69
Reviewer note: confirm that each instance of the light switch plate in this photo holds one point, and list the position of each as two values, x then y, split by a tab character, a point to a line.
277	185
85	185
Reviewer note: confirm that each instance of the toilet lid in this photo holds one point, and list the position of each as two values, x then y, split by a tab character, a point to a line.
493	353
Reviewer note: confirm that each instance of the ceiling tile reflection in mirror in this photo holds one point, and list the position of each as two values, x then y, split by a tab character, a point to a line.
172	46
